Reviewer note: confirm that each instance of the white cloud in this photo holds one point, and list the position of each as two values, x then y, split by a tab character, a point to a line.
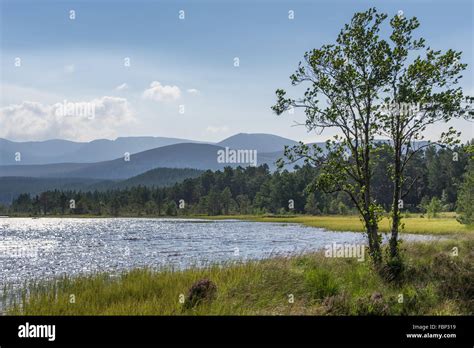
217	129
35	121
162	93
69	68
193	91
121	87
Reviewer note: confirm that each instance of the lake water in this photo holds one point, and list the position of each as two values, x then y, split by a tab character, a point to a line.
49	247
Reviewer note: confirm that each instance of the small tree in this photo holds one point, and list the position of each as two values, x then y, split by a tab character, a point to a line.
349	76
465	202
421	91
243	203
214	204
226	199
370	86
433	207
311	206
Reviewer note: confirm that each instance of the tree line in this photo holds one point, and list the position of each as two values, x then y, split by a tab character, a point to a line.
438	175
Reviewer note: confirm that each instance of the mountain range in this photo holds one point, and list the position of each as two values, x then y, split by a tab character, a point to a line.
126	157
65	151
63	164
123	162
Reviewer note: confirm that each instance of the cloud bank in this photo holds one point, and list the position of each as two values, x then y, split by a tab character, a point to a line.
29	121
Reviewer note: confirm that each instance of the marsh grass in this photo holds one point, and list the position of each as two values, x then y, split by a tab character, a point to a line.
434	282
446	224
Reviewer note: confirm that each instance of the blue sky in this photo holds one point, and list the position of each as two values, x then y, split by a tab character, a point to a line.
190	62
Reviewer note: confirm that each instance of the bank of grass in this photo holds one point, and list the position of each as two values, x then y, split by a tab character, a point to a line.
445	224
434	283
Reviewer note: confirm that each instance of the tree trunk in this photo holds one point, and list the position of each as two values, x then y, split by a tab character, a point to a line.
374	242
371	223
395	203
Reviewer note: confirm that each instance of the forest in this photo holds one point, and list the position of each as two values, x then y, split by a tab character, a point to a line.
439	175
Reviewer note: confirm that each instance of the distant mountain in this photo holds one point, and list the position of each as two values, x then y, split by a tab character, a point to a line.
257	141
57	170
196	156
36	152
58	151
103	150
64	151
200	156
11	187
158	177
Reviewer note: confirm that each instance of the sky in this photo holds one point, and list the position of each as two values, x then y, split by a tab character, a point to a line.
148	72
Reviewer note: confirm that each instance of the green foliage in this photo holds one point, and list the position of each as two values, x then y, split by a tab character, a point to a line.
465	202
433	208
171	209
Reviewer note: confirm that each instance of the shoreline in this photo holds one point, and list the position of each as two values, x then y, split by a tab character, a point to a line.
446	224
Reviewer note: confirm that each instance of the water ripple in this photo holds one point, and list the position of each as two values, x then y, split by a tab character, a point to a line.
47	247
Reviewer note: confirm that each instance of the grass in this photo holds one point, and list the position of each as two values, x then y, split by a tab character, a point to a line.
446	224
434	282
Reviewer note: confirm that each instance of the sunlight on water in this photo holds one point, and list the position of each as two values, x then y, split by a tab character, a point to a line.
48	247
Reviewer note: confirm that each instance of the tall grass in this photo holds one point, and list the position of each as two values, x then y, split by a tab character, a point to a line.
434	282
412	223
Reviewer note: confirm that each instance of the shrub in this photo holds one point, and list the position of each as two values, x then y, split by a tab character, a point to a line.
456	278
417	300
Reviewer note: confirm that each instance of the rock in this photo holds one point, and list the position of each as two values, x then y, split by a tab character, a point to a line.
203	290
